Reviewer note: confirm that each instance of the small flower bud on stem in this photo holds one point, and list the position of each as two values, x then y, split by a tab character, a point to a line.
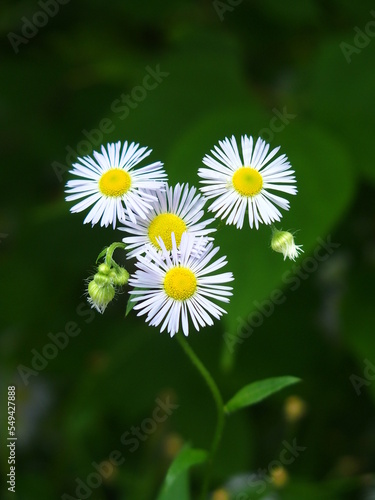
283	242
101	288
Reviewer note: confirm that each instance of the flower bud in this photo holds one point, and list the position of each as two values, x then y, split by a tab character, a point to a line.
100	295
283	242
104	269
119	276
101	289
102	280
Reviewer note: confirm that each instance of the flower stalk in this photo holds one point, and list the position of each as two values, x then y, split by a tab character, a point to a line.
219	408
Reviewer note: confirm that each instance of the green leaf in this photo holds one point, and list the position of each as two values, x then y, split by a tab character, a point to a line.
102	254
344	108
257	391
176	484
129	305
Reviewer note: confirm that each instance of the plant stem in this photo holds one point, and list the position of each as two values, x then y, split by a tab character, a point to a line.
110	250
219	407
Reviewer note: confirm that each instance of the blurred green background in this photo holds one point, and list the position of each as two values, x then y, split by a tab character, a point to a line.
301	75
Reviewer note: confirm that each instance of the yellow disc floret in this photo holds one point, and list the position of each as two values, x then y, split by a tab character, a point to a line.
247	181
162	226
180	283
115	182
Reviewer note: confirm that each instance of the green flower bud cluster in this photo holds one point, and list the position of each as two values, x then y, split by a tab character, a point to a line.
101	288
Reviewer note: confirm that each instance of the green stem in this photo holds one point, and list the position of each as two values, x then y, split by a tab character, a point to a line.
110	250
219	407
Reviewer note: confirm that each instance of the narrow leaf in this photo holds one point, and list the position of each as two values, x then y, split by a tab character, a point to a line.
129	305
102	253
176	484
257	391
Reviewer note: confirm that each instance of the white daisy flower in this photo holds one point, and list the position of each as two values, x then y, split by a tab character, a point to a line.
172	286
283	242
240	184
110	182
176	210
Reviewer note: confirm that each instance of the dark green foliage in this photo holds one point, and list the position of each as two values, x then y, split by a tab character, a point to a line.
303	77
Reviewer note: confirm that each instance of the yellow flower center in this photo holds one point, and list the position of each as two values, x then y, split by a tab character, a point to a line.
180	283
162	226
247	181
115	182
